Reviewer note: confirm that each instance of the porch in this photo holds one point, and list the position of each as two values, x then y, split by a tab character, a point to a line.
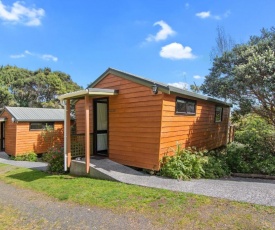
91	141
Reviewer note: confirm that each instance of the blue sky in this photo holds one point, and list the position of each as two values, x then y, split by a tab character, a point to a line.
167	41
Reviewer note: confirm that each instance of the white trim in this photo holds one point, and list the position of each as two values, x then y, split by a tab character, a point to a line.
3	119
90	91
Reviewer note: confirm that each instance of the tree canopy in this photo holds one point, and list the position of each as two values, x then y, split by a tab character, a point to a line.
245	76
40	88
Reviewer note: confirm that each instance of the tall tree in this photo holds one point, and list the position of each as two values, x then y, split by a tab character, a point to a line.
224	43
245	76
40	88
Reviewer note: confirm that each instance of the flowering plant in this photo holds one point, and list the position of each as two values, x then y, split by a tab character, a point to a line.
55	159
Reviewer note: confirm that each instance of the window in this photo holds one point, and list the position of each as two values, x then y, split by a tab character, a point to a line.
185	106
218	114
41	125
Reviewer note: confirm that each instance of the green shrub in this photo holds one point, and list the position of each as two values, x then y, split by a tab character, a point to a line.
256	133
55	159
243	159
184	164
30	156
254	147
216	166
238	157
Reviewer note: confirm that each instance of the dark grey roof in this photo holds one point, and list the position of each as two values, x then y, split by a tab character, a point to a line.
161	86
36	114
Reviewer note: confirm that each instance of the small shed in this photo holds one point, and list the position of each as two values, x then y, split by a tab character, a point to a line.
136	121
21	129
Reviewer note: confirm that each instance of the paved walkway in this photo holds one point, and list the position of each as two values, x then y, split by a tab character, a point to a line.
41	166
257	191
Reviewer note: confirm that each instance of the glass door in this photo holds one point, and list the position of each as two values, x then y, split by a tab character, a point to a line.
101	126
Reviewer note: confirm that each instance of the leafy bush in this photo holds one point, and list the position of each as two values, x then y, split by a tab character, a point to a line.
55	159
254	147
243	159
184	164
216	166
30	156
238	158
256	133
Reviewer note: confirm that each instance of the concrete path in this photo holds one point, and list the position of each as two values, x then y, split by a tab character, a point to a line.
41	166
257	191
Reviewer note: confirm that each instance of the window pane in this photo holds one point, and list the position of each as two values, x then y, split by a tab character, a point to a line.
102	142
181	106
191	107
185	106
218	114
102	116
41	125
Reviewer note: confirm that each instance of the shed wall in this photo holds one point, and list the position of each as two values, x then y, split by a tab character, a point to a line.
10	134
199	130
134	122
31	140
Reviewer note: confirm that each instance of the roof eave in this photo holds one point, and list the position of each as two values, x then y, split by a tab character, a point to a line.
76	94
146	82
175	90
39	120
90	91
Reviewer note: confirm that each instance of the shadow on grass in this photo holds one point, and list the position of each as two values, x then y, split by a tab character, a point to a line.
29	176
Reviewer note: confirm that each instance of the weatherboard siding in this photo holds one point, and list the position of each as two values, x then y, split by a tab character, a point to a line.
199	130
10	134
134	122
32	140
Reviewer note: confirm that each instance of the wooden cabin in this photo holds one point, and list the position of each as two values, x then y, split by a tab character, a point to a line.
22	127
136	121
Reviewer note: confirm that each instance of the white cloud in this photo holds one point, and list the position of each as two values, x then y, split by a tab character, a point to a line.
181	85
17	56
47	57
207	14
204	14
197	77
19	14
29	53
176	51
165	31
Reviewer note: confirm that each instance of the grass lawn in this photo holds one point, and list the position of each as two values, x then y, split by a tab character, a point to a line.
176	209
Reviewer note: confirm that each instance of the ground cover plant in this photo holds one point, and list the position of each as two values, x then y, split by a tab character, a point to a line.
184	164
164	208
31	156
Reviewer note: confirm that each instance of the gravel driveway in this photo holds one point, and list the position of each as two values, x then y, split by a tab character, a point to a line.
257	191
42	212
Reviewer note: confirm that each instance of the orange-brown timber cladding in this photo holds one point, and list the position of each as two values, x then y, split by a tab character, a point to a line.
10	134
19	139
143	126
200	130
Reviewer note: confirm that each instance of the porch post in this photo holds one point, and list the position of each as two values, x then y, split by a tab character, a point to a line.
87	133
68	131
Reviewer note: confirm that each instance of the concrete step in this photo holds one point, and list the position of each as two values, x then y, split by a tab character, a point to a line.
104	168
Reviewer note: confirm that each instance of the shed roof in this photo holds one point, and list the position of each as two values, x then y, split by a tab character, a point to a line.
165	88
35	114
